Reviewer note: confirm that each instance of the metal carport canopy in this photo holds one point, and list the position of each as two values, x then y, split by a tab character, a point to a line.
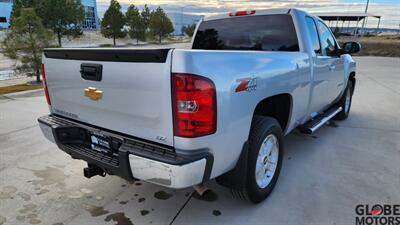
345	16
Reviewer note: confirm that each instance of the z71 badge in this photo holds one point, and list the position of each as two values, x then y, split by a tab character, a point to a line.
246	84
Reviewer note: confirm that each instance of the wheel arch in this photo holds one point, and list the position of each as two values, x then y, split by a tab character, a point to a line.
352	78
277	106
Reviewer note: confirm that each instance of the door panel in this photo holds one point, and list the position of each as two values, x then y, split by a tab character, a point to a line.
320	67
322	75
336	78
333	63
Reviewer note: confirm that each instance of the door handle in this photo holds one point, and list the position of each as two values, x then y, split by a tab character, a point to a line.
332	67
90	71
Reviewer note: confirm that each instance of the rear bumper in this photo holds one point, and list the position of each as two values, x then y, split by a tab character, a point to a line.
132	158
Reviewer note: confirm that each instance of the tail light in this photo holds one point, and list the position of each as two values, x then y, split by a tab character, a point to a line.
194	105
46	92
242	13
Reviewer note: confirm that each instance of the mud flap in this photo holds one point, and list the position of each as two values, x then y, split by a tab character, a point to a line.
237	177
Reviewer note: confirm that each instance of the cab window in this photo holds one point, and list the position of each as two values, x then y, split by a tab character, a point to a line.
264	32
327	40
312	30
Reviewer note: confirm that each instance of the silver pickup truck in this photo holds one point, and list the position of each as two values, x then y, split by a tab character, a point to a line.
180	117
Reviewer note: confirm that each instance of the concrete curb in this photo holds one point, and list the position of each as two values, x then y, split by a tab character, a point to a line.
21	93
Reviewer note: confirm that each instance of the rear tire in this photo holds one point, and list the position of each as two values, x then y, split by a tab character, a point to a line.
265	155
345	102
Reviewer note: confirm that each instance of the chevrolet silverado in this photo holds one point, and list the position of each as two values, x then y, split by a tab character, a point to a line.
180	117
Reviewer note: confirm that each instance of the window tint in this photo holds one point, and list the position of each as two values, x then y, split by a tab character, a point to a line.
268	33
327	40
312	29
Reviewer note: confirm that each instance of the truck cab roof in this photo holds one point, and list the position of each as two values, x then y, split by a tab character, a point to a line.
252	12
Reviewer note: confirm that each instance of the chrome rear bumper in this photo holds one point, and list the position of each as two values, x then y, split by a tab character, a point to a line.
134	159
175	176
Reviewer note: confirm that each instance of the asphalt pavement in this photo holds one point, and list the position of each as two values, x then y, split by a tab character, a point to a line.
324	175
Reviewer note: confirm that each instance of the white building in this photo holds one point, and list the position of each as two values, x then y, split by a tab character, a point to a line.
91	20
5	12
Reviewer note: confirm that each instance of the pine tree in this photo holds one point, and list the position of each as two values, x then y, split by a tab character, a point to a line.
25	42
18	5
160	24
113	22
146	14
137	28
61	16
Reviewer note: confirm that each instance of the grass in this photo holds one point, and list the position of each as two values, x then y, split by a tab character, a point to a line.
19	87
388	46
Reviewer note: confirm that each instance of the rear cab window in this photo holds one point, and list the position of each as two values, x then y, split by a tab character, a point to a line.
264	32
312	29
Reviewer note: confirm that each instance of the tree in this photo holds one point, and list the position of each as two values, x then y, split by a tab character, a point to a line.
113	22
146	15
160	24
61	16
189	29
137	28
16	9
18	5
25	42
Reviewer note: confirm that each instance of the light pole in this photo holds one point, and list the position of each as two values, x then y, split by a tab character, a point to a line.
365	18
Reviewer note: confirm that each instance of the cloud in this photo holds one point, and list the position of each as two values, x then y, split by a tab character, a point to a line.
389	11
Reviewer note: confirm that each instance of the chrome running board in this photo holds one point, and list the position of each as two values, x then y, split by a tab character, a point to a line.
317	122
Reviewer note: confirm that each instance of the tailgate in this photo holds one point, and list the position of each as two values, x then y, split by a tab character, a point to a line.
132	94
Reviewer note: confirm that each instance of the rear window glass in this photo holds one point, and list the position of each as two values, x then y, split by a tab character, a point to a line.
267	33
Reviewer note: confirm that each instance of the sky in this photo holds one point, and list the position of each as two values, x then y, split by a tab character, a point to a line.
388	9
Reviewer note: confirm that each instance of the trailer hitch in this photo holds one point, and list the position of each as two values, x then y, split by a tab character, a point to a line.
93	170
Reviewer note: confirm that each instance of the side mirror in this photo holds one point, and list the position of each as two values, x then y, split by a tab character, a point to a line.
351	47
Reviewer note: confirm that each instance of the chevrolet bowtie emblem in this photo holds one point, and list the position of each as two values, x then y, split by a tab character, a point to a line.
93	93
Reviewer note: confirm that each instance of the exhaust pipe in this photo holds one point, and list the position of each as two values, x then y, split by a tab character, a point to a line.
92	171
